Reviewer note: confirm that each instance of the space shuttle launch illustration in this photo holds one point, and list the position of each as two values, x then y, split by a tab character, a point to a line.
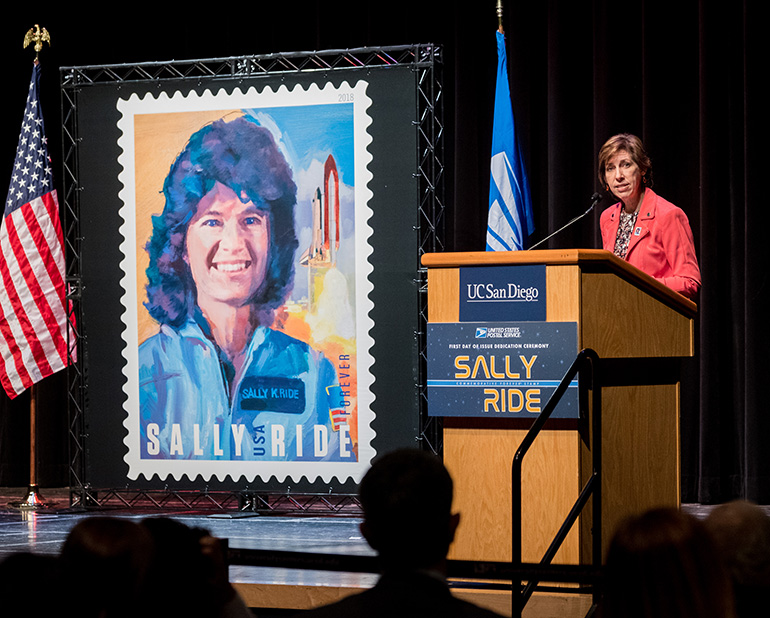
326	220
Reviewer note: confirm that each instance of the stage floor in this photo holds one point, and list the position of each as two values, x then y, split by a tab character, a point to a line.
44	530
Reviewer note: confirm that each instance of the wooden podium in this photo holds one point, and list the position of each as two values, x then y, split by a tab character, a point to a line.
621	313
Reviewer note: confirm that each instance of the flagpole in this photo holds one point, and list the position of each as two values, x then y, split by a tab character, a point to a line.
500	16
32	500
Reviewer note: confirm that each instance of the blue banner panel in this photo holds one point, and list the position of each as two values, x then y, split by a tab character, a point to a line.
502	293
500	369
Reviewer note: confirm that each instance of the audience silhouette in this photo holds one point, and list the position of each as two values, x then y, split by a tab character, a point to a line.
158	567
108	559
188	576
660	564
664	564
406	498
21	575
741	531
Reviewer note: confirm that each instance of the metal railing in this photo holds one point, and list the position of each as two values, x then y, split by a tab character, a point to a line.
585	367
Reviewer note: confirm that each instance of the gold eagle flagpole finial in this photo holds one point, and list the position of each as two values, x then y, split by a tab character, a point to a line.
38	36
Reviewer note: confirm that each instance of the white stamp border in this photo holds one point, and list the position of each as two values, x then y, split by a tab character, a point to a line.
250	98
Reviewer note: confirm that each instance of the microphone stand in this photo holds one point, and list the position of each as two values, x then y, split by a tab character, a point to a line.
595	199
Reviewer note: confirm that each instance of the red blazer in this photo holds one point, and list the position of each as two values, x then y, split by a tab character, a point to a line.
661	243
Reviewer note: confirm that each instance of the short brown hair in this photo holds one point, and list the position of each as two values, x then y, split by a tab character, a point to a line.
634	147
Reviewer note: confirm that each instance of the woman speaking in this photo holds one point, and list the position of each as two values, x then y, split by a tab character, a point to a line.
643	228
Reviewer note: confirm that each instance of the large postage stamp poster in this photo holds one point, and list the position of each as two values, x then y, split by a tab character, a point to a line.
245	240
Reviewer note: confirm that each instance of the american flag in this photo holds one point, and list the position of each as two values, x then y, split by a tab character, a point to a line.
33	316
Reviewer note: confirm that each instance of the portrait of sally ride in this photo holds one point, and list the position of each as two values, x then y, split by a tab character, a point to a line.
238	377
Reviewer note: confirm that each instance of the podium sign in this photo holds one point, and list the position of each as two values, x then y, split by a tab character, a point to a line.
500	369
500	293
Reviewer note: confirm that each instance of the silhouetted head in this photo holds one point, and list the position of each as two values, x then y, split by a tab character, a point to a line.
407	499
26	578
109	557
664	564
741	531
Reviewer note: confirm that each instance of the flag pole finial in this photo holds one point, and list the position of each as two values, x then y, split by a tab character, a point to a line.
38	36
500	16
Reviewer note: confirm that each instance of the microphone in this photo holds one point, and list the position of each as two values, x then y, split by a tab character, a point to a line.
595	199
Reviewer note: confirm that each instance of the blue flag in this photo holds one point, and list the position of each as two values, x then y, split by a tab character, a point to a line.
510	220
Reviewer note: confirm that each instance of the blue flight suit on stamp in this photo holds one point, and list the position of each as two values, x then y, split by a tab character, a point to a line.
281	407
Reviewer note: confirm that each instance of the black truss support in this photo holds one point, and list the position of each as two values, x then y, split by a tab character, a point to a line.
425	60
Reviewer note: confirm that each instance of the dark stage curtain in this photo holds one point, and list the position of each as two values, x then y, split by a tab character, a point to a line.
685	76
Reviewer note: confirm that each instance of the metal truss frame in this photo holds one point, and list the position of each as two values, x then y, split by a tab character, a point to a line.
245	501
431	226
425	60
76	371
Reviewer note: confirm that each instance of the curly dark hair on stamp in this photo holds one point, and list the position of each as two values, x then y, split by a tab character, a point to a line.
243	156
